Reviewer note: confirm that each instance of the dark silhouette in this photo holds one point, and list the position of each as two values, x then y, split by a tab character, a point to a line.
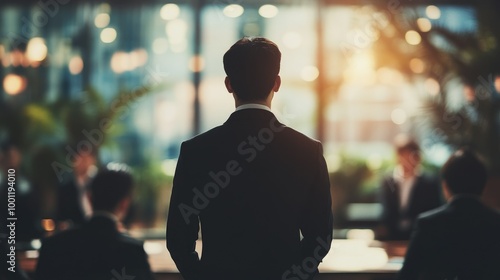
407	192
253	183
97	250
460	240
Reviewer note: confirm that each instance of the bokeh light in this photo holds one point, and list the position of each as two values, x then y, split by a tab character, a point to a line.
75	65
36	50
417	66
433	12
424	24
432	86
309	73
108	35
102	20
233	10
399	116
413	38
170	11
14	84
160	45
268	11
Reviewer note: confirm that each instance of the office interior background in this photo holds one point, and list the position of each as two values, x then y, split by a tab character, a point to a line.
130	80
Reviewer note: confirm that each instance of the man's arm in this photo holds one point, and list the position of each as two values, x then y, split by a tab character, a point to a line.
183	220
317	220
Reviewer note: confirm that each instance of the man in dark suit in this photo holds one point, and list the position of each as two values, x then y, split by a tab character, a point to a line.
460	240
407	192
253	183
97	250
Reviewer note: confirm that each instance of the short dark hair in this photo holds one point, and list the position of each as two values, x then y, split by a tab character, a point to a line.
406	143
464	173
252	65
109	187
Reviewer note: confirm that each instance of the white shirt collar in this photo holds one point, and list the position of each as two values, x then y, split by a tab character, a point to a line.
253	106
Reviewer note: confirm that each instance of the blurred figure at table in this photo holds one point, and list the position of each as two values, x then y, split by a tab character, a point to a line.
98	249
460	240
73	205
407	192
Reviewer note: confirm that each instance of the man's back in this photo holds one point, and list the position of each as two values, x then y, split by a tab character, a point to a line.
254	184
457	241
94	251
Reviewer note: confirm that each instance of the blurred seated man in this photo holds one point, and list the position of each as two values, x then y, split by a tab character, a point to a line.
460	240
73	205
97	250
407	192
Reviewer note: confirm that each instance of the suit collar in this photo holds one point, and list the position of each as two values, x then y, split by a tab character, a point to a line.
253	106
102	223
251	116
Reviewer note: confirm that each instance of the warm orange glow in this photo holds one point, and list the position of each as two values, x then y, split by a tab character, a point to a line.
119	62
413	38
75	65
417	65
196	63
14	84
424	24
36	50
469	93
48	225
361	69
497	83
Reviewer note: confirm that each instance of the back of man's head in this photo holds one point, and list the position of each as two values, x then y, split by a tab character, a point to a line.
464	173
252	65
109	187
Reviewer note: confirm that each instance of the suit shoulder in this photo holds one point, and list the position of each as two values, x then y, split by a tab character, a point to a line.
202	137
61	238
434	215
299	136
126	239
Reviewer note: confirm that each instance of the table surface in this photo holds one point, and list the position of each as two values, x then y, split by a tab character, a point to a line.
345	256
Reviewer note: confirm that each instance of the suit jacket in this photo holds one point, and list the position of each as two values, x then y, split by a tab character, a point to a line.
97	250
425	196
460	240
254	184
68	203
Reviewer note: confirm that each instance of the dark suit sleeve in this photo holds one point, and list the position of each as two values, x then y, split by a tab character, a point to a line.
143	269
416	253
45	267
317	221
183	220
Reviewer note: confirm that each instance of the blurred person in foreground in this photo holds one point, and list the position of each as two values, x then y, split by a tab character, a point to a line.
253	183
407	192
97	249
460	240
